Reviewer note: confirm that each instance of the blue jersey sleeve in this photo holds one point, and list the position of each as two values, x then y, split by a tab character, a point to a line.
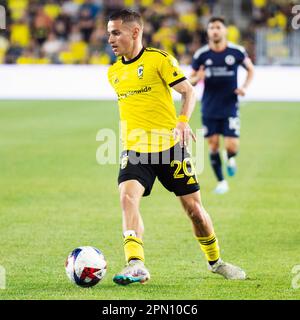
197	61
241	56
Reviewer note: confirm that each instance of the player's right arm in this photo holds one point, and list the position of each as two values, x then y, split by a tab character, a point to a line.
198	67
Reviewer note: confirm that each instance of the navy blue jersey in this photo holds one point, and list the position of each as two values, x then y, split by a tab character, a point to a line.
219	100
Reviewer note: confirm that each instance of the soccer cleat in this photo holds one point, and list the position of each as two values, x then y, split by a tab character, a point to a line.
222	187
227	270
135	271
231	167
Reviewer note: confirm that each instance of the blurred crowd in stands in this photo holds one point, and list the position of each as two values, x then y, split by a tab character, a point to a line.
74	31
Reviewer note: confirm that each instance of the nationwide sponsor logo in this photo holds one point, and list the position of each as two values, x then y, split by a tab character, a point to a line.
221	72
133	92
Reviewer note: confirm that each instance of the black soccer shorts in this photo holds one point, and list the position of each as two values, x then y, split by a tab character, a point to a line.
173	168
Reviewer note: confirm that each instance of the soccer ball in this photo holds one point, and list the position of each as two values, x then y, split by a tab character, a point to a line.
85	266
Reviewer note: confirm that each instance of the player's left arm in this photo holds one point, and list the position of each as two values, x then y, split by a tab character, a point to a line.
170	71
188	99
247	63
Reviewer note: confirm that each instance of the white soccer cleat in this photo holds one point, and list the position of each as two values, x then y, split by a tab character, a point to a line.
222	187
227	270
135	271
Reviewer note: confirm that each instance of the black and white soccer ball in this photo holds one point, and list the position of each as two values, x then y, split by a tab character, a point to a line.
86	266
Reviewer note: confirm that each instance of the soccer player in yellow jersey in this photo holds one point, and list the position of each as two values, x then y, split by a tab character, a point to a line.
155	141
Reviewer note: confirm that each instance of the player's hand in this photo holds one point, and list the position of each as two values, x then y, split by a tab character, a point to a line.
183	132
240	91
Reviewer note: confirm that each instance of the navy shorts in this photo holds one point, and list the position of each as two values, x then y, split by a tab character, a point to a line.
173	168
228	127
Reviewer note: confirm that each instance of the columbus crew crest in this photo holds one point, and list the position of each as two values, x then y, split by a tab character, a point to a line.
140	71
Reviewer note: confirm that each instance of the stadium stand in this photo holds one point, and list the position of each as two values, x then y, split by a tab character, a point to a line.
74	31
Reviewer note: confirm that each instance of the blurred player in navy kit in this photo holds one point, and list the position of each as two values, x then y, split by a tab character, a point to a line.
217	64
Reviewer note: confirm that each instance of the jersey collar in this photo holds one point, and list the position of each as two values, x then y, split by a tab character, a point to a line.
135	58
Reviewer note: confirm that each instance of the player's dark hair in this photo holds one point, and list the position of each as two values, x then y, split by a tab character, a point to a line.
126	15
217	19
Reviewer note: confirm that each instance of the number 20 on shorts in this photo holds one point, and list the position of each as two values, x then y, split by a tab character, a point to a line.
183	165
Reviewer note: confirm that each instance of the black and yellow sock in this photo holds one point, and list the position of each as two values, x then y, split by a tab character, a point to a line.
209	245
133	248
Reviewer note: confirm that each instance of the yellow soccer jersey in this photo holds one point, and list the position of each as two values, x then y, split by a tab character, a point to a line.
147	112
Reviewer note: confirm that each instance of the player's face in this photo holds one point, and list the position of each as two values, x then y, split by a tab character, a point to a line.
120	37
216	31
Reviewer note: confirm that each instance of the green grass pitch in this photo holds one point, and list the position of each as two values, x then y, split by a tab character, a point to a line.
54	196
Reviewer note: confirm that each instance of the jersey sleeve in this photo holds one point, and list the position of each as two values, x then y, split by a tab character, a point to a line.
197	61
170	71
241	55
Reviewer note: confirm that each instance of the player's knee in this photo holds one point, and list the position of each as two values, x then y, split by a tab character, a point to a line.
214	150
214	147
232	146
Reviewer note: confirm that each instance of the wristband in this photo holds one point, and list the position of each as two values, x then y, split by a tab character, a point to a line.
183	118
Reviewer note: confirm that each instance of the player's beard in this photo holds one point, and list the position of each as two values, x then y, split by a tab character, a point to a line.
217	40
